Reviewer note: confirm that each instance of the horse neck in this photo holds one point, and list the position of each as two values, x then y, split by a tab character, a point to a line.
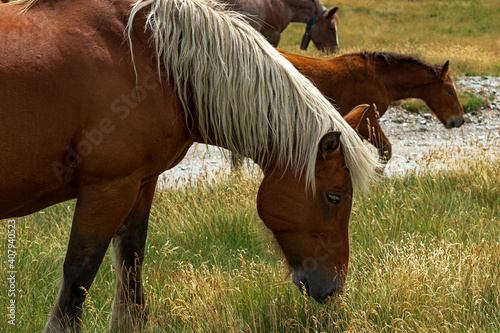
302	10
406	80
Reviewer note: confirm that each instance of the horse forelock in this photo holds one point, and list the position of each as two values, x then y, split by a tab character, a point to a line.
253	100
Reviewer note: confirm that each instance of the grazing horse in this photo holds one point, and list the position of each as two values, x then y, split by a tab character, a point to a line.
380	79
271	17
99	97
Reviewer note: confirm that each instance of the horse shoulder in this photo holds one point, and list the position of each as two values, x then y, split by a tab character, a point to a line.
277	14
353	81
301	10
254	10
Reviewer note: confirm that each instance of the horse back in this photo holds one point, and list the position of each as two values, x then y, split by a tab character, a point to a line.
73	109
347	80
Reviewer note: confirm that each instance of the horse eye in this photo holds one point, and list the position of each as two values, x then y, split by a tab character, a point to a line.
333	199
450	92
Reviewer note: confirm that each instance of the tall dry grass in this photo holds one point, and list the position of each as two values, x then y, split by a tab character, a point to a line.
425	256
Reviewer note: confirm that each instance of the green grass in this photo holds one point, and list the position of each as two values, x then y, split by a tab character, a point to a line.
425	256
415	105
472	102
464	31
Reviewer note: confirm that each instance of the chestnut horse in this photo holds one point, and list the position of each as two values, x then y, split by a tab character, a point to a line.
271	17
380	79
99	97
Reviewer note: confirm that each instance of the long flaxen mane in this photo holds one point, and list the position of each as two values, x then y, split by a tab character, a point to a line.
243	90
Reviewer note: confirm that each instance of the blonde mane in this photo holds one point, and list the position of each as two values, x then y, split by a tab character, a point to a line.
243	90
27	4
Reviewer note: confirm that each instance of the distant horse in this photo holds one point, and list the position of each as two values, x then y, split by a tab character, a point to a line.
380	79
271	17
86	115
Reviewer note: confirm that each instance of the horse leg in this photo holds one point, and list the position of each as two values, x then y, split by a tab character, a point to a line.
382	143
129	242
273	37
370	130
100	209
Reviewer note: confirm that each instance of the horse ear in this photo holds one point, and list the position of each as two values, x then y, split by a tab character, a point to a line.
355	116
330	12
328	143
445	70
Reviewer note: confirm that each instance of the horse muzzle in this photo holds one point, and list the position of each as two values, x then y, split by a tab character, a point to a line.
335	49
455	121
318	288
331	49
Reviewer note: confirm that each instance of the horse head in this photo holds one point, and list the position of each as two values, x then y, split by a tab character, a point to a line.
311	225
323	31
445	103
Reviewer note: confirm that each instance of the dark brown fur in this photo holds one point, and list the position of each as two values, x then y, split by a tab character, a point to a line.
271	17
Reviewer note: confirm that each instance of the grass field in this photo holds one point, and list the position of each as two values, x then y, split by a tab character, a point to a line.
466	32
425	256
425	247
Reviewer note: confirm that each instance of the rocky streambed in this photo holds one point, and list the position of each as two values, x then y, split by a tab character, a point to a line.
412	134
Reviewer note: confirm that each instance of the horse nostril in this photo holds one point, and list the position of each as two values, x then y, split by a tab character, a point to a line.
455	122
335	291
325	298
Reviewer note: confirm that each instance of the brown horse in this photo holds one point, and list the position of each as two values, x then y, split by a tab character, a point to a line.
380	79
271	17
86	115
